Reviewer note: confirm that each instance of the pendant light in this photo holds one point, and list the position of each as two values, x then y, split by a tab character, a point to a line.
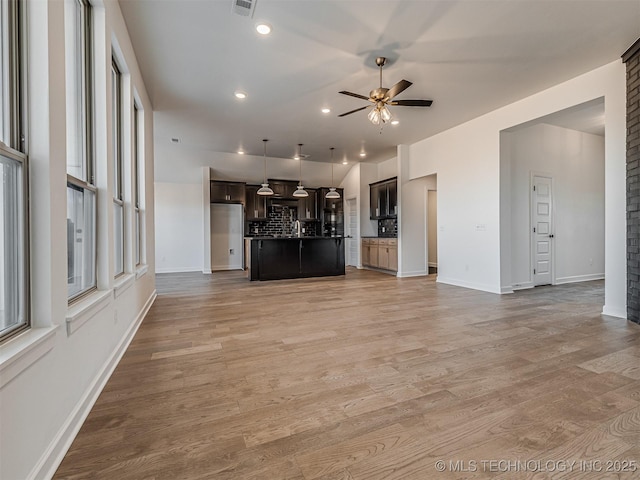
332	193
265	190
300	192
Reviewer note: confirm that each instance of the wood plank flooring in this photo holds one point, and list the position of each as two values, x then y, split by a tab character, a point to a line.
367	377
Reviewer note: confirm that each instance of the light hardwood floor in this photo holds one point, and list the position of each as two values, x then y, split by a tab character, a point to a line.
366	377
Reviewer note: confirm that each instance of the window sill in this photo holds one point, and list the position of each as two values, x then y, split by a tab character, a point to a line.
79	313
122	283
141	270
21	352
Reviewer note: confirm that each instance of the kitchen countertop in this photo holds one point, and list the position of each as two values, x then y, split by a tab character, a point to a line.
292	237
376	236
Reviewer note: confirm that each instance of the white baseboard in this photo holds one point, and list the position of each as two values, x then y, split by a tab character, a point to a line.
415	273
579	278
471	285
218	268
178	269
53	456
522	286
506	290
614	312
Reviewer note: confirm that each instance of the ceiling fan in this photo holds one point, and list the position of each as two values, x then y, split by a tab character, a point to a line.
383	97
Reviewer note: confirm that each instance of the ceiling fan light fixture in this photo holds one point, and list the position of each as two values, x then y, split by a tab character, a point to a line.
385	114
374	116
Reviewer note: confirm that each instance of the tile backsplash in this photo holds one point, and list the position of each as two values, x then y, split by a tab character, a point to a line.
390	226
280	222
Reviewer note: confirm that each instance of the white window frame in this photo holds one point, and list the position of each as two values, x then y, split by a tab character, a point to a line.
118	168
13	148
83	69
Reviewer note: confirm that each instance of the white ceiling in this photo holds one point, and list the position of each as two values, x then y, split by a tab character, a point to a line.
469	57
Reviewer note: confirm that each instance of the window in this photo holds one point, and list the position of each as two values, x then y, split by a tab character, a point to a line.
14	246
137	184
118	203
81	189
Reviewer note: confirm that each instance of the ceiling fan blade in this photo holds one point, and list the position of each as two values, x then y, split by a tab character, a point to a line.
354	111
412	103
351	94
399	87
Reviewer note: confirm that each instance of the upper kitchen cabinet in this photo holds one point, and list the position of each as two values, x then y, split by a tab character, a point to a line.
227	192
330	204
283	188
307	206
255	205
384	199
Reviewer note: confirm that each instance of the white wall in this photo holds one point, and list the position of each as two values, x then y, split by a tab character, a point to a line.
179	237
575	161
351	190
227	224
467	161
51	375
388	169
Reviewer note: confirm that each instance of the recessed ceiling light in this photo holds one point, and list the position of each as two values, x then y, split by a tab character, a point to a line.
344	162
395	122
240	95
175	140
263	28
240	152
326	110
363	154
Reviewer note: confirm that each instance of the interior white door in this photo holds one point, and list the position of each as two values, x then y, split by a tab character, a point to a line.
352	222
542	230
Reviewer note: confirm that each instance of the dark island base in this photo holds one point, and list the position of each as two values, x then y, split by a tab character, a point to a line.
282	258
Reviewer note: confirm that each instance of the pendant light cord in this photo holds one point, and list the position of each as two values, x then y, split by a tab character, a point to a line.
331	165
265	160
300	164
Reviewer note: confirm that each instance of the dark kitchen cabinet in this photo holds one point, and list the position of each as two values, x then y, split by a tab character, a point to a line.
278	259
331	213
227	192
384	199
255	205
392	198
283	188
307	206
330	204
322	257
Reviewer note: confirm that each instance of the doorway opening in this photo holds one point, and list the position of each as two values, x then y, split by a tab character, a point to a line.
352	232
553	199
432	231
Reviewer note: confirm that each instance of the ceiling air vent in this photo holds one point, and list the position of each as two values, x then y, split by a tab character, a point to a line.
243	7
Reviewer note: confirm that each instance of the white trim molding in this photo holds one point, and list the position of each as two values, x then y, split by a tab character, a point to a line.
580	278
471	285
86	309
614	312
21	352
53	456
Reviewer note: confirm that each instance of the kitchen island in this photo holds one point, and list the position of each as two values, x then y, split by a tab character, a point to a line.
276	258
